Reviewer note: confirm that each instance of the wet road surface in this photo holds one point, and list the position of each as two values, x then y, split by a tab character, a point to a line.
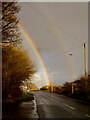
51	105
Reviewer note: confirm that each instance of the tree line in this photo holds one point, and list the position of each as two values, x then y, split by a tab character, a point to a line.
81	88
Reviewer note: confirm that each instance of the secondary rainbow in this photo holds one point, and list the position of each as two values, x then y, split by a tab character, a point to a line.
36	52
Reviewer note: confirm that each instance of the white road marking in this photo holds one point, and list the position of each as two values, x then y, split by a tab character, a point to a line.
44	101
88	116
69	106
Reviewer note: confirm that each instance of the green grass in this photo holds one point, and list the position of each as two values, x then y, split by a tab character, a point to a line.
26	96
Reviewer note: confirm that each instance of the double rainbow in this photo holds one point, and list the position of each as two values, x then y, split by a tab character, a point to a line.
36	52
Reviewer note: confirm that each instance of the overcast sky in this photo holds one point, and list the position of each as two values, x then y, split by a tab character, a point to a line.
57	29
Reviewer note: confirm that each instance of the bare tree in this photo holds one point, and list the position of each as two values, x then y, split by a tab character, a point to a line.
10	30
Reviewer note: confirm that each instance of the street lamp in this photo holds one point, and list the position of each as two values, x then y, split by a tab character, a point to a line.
70	54
85	72
72	81
85	59
52	82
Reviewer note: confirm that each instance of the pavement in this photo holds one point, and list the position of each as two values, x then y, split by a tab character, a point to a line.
52	105
22	110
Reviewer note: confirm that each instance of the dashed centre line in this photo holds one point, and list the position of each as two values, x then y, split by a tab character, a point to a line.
44	101
69	106
87	115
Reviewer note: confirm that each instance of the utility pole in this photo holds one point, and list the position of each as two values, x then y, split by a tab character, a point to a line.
85	59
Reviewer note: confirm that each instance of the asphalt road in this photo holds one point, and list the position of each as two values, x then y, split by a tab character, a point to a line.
51	105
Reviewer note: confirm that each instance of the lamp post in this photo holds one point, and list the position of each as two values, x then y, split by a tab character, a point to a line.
85	72
51	82
72	81
85	59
